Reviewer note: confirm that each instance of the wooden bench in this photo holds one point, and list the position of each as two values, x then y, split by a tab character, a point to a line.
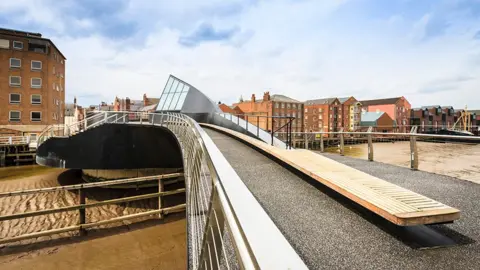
396	204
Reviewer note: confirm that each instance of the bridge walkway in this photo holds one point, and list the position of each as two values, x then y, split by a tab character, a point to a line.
329	232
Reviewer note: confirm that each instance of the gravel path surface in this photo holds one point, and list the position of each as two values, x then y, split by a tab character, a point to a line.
331	233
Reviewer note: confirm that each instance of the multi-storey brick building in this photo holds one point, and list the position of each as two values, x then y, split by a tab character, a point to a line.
275	105
397	108
32	83
351	109
324	114
433	118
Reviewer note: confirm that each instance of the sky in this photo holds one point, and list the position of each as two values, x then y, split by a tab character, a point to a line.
425	50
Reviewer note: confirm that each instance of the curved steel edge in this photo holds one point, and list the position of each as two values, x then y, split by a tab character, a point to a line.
267	243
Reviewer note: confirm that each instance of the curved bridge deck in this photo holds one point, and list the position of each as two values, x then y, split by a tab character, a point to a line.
330	232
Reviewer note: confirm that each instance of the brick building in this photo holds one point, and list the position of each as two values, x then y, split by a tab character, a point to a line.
324	114
397	108
380	121
433	118
134	105
275	105
351	109
32	83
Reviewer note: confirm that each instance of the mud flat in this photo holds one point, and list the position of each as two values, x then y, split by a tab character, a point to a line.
143	244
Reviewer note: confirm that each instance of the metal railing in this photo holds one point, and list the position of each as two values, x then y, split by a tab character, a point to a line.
14	140
81	207
252	124
227	227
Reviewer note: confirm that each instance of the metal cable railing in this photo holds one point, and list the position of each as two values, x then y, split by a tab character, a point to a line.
227	227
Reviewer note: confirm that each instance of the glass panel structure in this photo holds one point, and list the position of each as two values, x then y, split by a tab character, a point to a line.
173	95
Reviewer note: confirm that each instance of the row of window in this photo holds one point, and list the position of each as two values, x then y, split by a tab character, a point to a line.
15	116
17	81
34	99
288	105
17	63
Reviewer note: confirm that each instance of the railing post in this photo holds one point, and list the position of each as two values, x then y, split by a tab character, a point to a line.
246	123
413	150
81	211
160	198
370	144
258	126
342	143
321	142
238	119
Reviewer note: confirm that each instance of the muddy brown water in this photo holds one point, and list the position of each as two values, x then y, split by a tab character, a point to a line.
39	177
453	159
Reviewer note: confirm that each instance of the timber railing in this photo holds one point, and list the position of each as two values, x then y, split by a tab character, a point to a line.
322	140
81	207
226	226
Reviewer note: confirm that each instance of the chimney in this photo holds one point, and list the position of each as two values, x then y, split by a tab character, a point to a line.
253	98
74	102
127	104
266	96
145	100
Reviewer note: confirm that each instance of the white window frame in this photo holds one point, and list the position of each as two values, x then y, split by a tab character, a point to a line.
10	116
31	118
36	61
19	66
31	99
10	81
10	98
58	88
33	86
17	42
53	86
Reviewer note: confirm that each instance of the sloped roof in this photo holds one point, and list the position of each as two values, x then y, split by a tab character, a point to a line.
343	99
380	101
370	116
148	108
320	101
282	98
431	107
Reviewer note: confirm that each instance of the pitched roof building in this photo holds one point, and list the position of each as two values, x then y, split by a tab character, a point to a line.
398	108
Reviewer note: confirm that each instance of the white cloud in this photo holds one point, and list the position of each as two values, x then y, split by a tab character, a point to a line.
295	48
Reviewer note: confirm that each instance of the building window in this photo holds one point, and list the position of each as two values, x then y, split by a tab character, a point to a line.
288	106
15	63
294	106
58	88
14	98
276	105
306	116
36	99
320	116
36	65
53	86
283	105
53	69
36	116
306	110
15	80
54	116
14	116
36	82
18	45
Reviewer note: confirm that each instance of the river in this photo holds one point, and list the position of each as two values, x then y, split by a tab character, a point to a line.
453	159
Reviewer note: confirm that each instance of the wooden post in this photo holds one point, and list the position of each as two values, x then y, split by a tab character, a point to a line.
322	149
306	140
413	153
246	124
160	199
81	211
370	147
342	143
258	126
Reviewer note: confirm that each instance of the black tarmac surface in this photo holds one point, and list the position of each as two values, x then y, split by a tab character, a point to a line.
329	232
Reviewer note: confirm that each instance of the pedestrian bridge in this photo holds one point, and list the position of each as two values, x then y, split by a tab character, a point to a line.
252	203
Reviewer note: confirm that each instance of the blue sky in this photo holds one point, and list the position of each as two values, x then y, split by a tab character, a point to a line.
428	51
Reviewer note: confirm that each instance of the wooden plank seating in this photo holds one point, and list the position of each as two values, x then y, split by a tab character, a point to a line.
396	204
